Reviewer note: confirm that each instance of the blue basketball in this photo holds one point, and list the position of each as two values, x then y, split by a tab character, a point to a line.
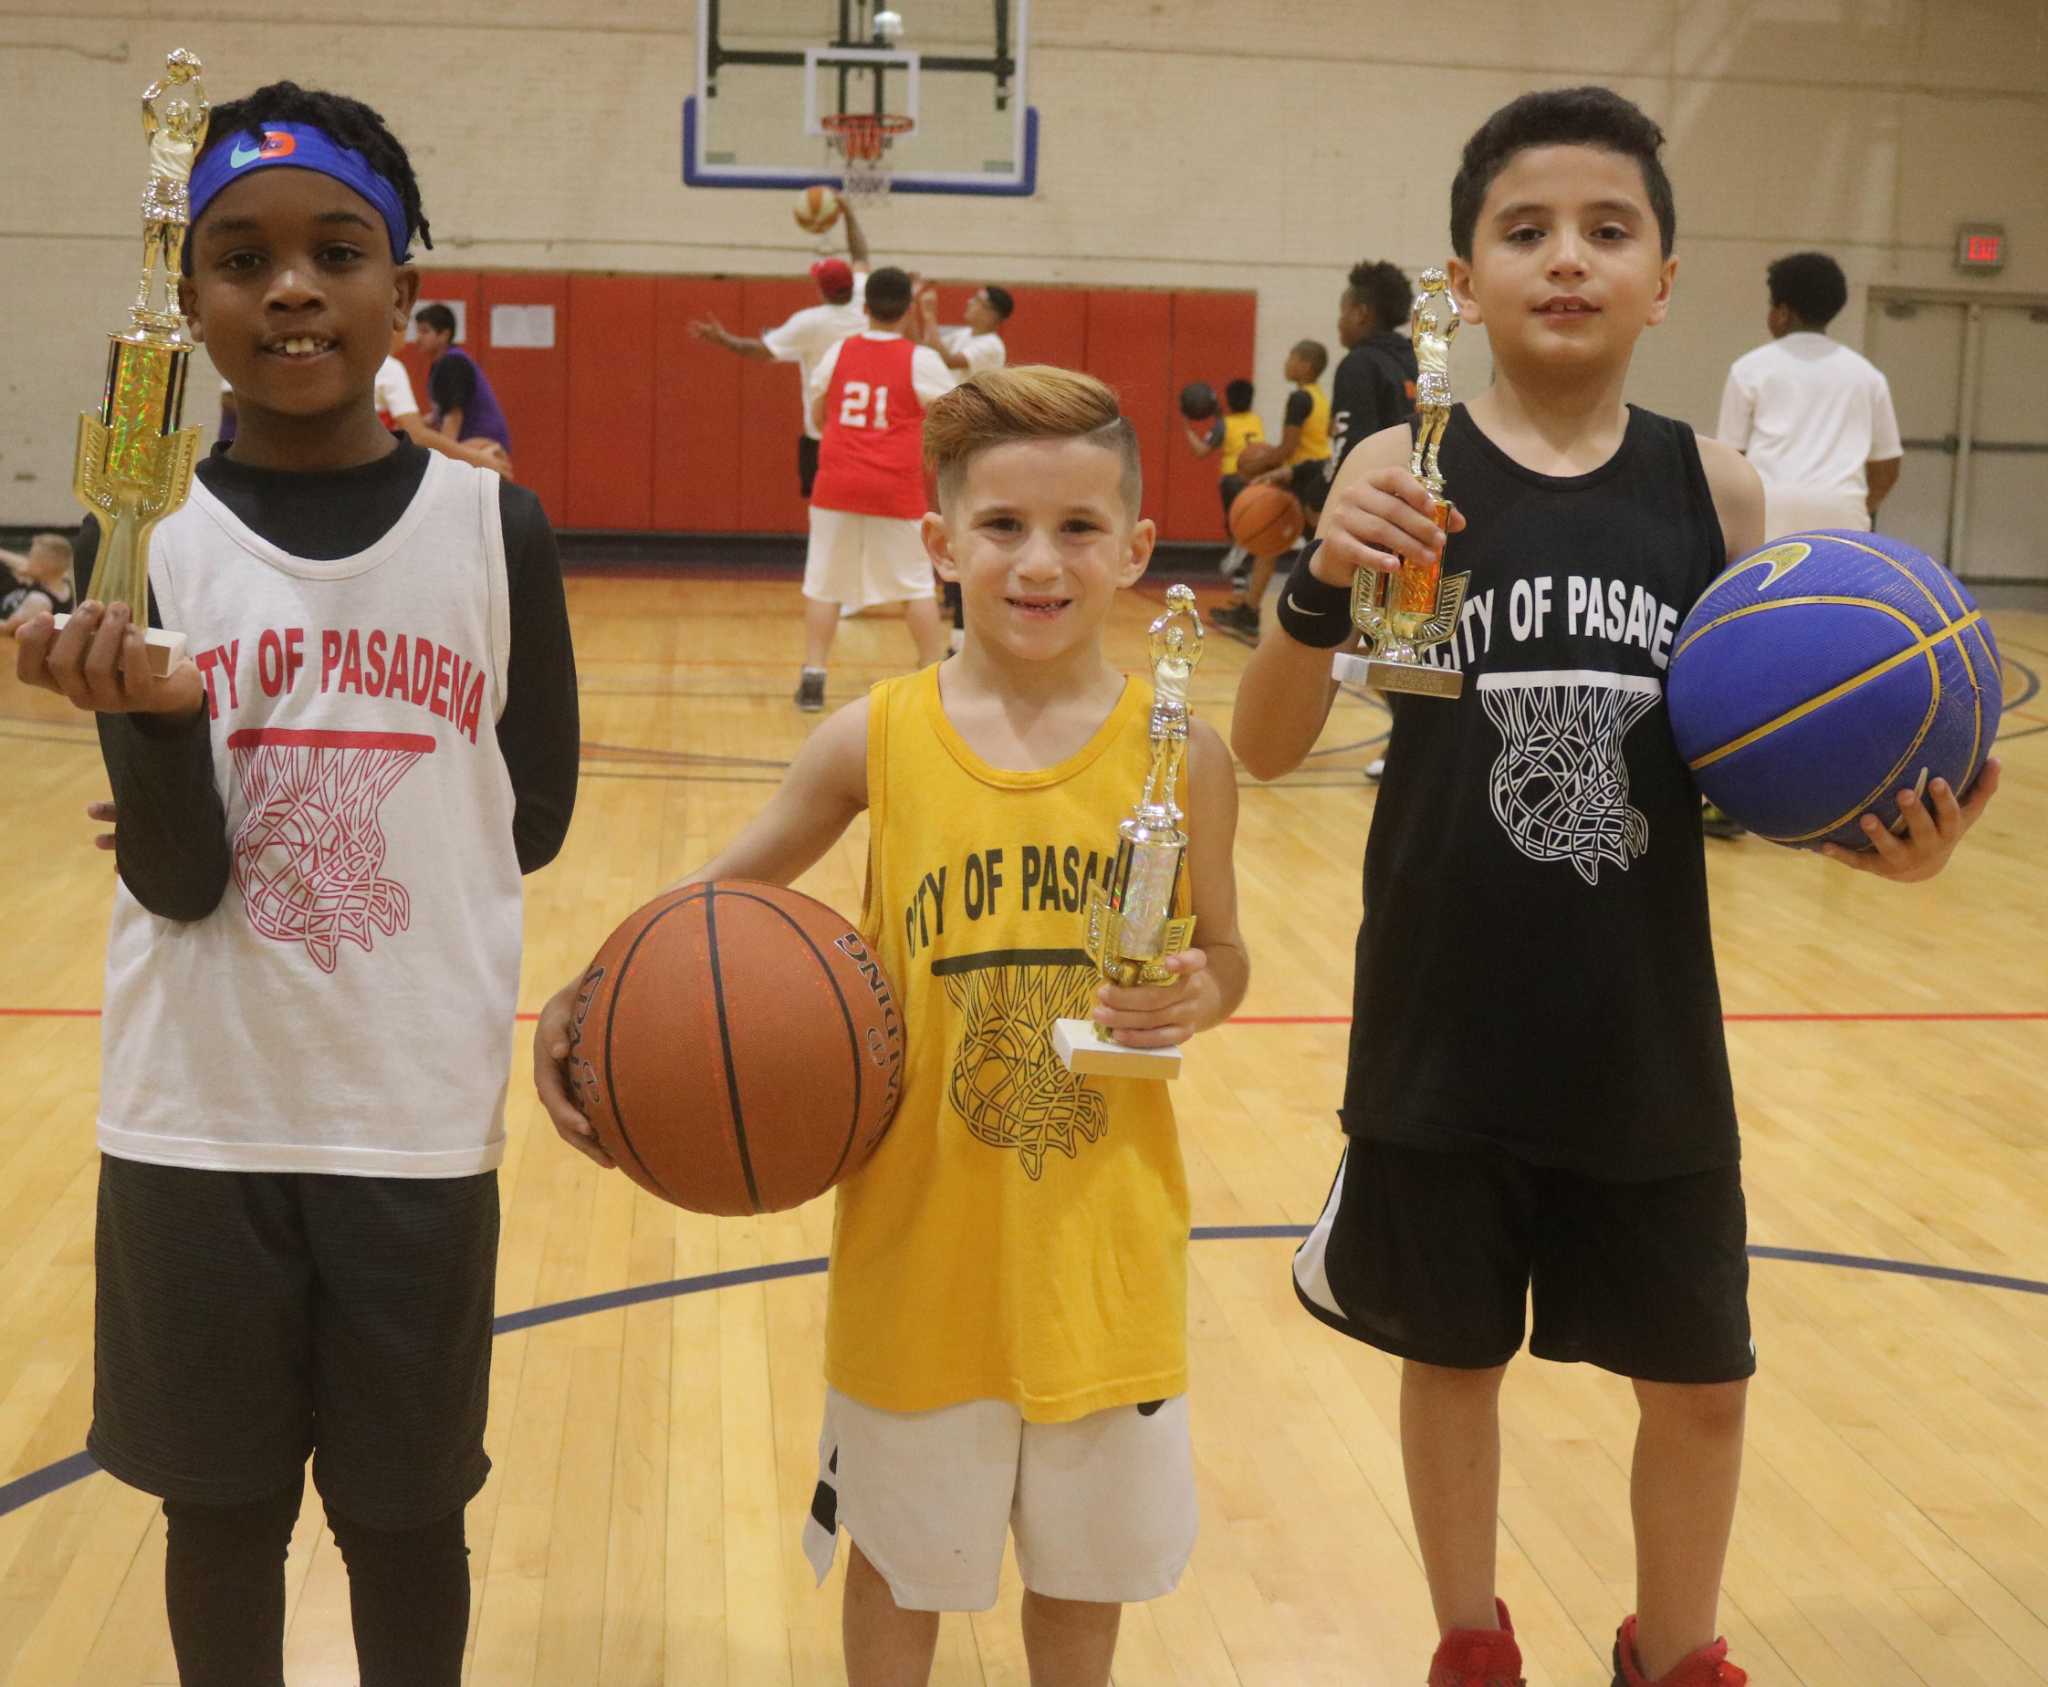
1822	675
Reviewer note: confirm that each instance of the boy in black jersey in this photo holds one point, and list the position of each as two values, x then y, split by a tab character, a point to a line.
1538	1093
324	813
1374	386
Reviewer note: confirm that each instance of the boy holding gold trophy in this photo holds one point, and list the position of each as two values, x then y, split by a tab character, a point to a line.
1006	1324
324	812
1538	1108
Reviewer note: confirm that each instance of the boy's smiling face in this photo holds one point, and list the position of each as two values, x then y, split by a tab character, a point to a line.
1567	265
1040	540
294	293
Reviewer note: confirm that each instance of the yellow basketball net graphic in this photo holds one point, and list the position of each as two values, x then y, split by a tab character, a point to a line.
309	853
1006	1083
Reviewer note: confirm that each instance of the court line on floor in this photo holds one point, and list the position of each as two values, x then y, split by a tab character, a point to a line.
38	1484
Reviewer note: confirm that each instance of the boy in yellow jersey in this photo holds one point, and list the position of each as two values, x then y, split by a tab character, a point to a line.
1006	1333
1228	434
1304	448
1305	434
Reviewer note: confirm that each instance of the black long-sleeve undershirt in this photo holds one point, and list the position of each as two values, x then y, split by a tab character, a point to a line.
172	846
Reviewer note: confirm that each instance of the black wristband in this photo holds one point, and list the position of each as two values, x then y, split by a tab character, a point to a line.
1312	611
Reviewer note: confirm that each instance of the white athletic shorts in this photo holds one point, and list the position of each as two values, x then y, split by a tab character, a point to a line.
1793	509
858	560
1103	1508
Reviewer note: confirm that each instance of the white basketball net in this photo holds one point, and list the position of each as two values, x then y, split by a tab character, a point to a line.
1559	786
309	852
863	142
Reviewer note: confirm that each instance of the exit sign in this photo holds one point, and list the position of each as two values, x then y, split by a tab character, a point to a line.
1980	246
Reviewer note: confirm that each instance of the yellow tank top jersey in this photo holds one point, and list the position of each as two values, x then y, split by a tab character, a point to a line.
1314	443
1240	428
1021	1234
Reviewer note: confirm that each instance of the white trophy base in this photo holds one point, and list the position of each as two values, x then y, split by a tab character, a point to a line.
1377	673
163	649
1081	1050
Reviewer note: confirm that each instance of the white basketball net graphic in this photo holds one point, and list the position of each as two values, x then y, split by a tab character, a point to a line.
1559	786
309	852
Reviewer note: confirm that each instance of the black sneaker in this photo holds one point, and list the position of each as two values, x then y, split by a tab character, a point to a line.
1236	618
1719	823
810	690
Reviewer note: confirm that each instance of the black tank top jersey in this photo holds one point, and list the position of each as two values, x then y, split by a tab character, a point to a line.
1536	968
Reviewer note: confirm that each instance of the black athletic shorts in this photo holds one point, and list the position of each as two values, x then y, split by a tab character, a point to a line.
1309	481
1230	486
1432	1256
806	462
246	1319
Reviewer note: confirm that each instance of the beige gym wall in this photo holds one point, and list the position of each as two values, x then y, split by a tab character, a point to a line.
1240	143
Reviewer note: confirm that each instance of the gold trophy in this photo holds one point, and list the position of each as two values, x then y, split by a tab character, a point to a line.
1131	924
134	463
1404	612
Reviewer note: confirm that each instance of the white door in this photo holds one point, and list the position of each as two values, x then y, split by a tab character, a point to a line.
2005	504
1966	380
1918	345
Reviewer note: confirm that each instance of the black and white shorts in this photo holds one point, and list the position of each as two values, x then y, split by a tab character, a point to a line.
1434	1255
1102	1507
246	1319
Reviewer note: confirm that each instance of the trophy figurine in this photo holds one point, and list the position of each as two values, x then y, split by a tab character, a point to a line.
1131	923
1404	612
134	462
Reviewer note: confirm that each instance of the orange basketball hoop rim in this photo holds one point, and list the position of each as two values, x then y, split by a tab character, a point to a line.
863	135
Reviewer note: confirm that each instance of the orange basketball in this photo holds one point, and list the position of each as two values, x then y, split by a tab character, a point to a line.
817	209
1258	456
736	1048
1266	519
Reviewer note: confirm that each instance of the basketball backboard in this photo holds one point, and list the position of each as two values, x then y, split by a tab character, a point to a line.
774	76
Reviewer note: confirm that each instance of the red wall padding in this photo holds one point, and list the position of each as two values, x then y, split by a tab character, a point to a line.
533	384
771	412
610	447
696	409
1128	346
627	422
1213	335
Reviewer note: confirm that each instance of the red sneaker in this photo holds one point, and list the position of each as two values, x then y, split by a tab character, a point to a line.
1478	1657
1708	1667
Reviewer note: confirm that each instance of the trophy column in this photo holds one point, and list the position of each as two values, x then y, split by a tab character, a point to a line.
134	461
1131	924
1405	612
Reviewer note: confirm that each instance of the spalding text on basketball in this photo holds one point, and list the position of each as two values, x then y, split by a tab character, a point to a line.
885	1041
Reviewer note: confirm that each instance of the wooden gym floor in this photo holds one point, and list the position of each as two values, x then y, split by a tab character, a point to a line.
654	1461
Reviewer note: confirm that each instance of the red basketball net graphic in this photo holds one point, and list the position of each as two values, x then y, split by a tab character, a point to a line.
309	851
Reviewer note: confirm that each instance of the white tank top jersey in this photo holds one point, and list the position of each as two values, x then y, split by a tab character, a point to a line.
348	1007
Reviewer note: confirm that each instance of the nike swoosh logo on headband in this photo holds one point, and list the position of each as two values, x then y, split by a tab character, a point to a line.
275	145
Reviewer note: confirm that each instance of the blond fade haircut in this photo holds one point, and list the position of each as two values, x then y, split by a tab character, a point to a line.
1031	401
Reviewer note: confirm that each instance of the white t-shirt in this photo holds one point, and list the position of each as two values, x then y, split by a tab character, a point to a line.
812	332
1809	412
928	371
982	351
394	391
348	1007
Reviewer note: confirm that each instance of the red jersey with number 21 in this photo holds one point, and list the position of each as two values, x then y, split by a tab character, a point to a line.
871	455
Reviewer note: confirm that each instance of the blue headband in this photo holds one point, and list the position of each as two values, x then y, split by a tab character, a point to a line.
298	146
